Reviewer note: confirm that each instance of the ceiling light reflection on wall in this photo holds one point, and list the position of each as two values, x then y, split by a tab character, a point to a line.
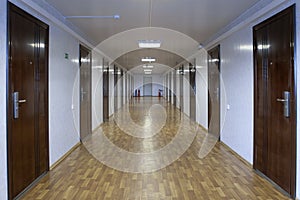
263	46
149	43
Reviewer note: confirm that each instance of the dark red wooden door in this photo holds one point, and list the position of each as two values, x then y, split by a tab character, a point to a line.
275	106
27	100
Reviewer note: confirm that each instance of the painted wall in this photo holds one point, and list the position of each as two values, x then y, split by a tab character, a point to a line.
97	89
63	93
237	76
3	138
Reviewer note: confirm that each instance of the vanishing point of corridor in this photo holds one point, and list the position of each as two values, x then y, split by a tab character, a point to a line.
219	175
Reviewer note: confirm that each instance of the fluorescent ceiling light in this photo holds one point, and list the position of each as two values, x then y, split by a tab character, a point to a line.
148	59
93	17
148	66
149	43
147	70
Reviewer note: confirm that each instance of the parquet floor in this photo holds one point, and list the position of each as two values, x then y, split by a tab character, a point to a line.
219	175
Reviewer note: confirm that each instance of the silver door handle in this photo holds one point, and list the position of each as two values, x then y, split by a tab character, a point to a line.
281	100
286	103
16	103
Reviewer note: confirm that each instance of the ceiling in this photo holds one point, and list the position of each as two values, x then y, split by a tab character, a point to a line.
132	59
198	19
180	25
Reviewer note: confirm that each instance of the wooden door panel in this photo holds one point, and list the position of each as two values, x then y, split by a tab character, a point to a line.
28	75
214	91
192	91
22	77
105	93
274	143
85	92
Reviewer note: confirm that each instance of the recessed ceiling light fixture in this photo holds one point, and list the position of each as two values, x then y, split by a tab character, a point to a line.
148	66
149	43
148	59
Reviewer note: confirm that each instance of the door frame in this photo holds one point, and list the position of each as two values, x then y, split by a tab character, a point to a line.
192	81
9	113
293	92
218	48
81	46
105	82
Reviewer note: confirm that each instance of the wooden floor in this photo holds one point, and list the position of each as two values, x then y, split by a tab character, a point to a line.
220	175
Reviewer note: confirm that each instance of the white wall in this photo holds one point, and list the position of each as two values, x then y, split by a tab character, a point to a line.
237	74
3	60
97	89
157	83
63	93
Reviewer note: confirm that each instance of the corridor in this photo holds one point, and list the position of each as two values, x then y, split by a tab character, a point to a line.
219	175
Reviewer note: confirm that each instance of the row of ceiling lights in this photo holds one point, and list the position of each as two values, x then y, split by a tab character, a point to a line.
149	44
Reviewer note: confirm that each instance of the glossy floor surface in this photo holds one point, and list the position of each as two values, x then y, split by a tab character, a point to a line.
150	150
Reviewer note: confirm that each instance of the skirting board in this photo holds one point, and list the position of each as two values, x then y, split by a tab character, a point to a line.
237	155
64	156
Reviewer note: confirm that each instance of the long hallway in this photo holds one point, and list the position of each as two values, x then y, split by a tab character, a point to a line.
219	175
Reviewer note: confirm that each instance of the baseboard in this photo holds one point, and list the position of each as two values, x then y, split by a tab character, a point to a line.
64	156
237	155
97	127
202	127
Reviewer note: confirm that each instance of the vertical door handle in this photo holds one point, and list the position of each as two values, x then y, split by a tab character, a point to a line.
16	105
82	93
286	103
